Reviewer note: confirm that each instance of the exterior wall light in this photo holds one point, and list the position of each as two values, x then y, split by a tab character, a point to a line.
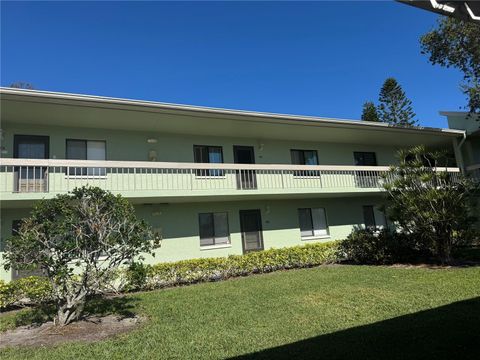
152	141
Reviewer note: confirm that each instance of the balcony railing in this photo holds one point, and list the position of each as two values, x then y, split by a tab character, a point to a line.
137	179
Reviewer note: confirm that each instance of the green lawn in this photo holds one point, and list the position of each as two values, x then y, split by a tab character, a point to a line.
332	312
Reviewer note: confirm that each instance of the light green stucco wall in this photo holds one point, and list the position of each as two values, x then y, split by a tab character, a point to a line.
133	146
179	224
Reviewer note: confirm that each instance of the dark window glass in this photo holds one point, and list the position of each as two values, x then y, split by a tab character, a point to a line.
86	150
369	216
77	149
208	154
213	229
305	220
313	222
304	157
365	158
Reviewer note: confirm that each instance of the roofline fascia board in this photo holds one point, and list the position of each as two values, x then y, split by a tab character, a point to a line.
58	97
453	113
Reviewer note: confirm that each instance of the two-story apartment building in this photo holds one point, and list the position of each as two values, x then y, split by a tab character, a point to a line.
213	182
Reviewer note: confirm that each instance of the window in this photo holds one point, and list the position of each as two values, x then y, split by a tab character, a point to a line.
16	224
365	179
365	158
313	222
304	157
213	229
86	150
369	217
208	154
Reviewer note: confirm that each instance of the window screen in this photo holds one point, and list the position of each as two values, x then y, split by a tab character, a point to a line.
208	154
304	157
369	216
313	222
213	229
86	150
365	158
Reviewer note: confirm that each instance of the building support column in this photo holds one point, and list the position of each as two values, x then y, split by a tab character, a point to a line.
458	153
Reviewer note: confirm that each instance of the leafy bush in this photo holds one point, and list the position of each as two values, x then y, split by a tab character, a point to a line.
28	290
366	246
7	294
136	276
213	269
79	239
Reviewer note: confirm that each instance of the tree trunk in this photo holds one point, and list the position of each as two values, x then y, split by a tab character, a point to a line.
70	311
444	249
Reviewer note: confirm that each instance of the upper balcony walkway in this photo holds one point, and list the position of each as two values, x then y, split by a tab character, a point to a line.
32	179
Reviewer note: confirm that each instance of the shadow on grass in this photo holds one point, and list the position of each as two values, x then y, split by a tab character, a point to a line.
119	305
447	332
96	306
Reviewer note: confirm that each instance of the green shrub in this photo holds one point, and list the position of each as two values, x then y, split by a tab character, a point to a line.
36	289
213	269
7	294
28	290
136	276
366	246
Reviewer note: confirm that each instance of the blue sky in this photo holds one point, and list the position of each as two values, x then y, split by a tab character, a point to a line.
311	58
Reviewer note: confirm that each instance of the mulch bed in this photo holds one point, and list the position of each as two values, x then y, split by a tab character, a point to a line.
88	330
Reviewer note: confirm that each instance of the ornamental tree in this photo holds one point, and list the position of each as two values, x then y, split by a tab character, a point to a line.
369	112
394	107
79	240
430	204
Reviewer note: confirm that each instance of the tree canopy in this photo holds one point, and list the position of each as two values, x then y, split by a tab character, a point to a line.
78	240
429	204
456	43
394	107
369	112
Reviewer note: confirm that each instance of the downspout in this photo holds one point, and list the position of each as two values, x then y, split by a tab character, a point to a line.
458	152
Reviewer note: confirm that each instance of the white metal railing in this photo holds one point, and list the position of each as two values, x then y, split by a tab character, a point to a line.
166	178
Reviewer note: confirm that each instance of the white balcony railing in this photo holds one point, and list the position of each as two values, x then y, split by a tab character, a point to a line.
133	178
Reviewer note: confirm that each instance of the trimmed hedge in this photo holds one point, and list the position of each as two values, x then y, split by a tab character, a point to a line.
37	290
28	290
213	269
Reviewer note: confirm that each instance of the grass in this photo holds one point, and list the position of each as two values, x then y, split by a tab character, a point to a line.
331	312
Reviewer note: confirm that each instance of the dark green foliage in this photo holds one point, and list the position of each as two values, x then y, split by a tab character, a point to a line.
455	43
213	269
136	276
369	112
78	239
432	205
395	108
375	247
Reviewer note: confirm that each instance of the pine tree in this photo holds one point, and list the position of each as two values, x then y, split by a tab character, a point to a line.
369	112
395	108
